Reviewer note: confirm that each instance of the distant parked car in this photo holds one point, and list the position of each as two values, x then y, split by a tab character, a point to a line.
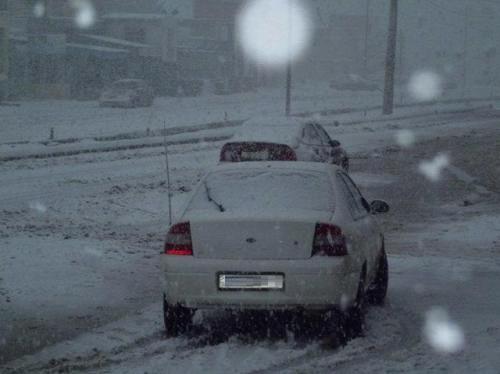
127	93
286	236
283	139
353	82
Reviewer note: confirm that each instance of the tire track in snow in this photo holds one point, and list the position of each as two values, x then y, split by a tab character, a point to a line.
363	348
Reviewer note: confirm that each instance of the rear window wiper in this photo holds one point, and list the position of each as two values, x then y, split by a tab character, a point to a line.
209	197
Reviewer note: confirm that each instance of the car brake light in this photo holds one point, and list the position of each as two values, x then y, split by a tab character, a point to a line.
178	240
329	241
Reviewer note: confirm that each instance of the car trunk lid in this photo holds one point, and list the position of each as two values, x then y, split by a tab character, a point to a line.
240	237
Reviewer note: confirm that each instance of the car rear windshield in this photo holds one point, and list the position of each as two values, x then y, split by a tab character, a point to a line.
256	151
265	190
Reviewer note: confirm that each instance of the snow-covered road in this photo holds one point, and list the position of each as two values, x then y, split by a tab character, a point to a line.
80	236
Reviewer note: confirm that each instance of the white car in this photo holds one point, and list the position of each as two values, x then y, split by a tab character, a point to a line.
127	93
283	139
274	236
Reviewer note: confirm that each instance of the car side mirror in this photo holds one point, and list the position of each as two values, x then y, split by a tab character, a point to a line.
334	143
379	207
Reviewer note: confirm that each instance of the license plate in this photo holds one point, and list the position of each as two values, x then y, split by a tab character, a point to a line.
251	281
255	156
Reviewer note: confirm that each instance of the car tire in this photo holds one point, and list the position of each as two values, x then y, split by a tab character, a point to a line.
177	319
377	291
353	322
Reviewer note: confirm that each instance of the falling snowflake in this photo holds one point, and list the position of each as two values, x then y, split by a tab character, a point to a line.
432	169
425	86
405	138
93	251
274	32
442	334
85	13
344	302
37	206
39	9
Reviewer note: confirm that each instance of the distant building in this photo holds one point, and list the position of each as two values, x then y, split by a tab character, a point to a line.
128	39
208	48
151	39
187	43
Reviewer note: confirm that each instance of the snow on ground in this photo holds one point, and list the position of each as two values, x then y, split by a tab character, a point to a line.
393	340
478	232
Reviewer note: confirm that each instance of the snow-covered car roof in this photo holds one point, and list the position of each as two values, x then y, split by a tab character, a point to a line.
282	130
291	165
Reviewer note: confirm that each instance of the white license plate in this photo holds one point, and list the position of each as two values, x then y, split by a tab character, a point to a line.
251	281
255	156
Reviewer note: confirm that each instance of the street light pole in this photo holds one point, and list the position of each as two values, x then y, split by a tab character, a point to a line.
288	93
367	30
288	89
390	62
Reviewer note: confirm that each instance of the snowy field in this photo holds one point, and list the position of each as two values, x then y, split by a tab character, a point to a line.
80	238
84	120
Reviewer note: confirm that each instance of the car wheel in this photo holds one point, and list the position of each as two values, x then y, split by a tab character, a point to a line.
354	317
378	289
177	319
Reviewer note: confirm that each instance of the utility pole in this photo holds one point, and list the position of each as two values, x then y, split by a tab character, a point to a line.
400	67
288	99
390	62
367	30
288	89
466	37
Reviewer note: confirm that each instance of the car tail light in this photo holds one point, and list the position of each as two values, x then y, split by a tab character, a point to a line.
329	241
178	240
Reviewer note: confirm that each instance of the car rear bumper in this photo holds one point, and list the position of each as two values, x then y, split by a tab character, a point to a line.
318	283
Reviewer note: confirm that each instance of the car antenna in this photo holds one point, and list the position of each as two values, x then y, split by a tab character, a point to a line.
168	173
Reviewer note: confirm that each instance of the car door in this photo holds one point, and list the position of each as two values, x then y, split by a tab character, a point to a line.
352	226
370	239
